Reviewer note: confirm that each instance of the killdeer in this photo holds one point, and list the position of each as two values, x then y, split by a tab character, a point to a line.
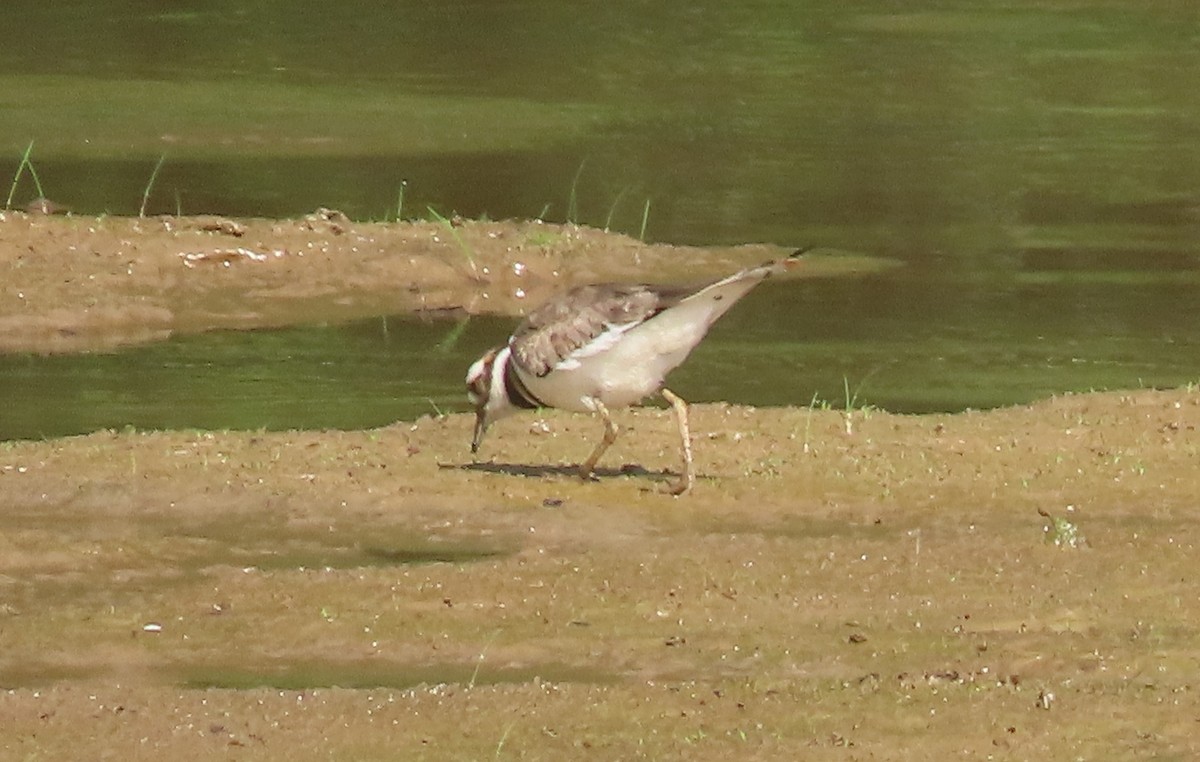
605	346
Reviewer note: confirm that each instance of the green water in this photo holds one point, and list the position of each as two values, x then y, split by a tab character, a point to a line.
1035	166
787	344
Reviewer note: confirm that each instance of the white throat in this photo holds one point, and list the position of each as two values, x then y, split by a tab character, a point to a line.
498	404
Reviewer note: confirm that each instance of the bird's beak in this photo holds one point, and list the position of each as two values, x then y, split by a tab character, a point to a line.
480	429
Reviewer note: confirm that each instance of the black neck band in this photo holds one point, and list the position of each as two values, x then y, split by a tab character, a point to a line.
518	394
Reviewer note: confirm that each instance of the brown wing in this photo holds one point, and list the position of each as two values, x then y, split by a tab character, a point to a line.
567	323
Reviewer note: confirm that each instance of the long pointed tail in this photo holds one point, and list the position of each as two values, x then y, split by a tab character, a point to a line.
793	259
767	269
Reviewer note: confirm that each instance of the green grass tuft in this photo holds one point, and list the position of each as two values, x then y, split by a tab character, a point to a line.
25	163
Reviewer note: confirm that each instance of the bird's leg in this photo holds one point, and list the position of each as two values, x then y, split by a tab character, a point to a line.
610	436
688	478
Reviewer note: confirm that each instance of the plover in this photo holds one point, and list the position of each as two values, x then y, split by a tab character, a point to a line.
605	346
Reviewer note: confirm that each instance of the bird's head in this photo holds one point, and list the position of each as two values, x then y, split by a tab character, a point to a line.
486	392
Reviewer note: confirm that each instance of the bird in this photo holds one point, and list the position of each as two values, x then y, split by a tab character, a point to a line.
600	347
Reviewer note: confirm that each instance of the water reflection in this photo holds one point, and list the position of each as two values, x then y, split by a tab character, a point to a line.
934	134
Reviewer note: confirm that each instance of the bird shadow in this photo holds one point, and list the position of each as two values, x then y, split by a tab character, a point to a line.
542	471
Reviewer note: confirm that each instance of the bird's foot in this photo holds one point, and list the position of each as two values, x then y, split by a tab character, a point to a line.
680	487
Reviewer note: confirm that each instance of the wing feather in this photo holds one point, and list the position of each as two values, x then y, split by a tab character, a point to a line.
585	321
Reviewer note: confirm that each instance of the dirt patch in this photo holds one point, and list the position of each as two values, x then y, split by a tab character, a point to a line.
76	283
841	585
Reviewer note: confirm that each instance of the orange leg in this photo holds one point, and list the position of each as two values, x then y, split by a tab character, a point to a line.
610	436
687	479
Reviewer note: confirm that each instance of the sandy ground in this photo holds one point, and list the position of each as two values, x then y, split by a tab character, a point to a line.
1012	584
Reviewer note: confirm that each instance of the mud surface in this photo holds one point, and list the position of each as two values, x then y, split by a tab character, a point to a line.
841	584
76	283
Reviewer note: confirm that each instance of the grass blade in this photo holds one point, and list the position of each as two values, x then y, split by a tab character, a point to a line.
400	201
450	340
37	183
612	209
462	245
573	198
150	184
12	191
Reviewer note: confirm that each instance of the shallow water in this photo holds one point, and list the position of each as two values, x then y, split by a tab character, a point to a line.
863	341
1035	166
